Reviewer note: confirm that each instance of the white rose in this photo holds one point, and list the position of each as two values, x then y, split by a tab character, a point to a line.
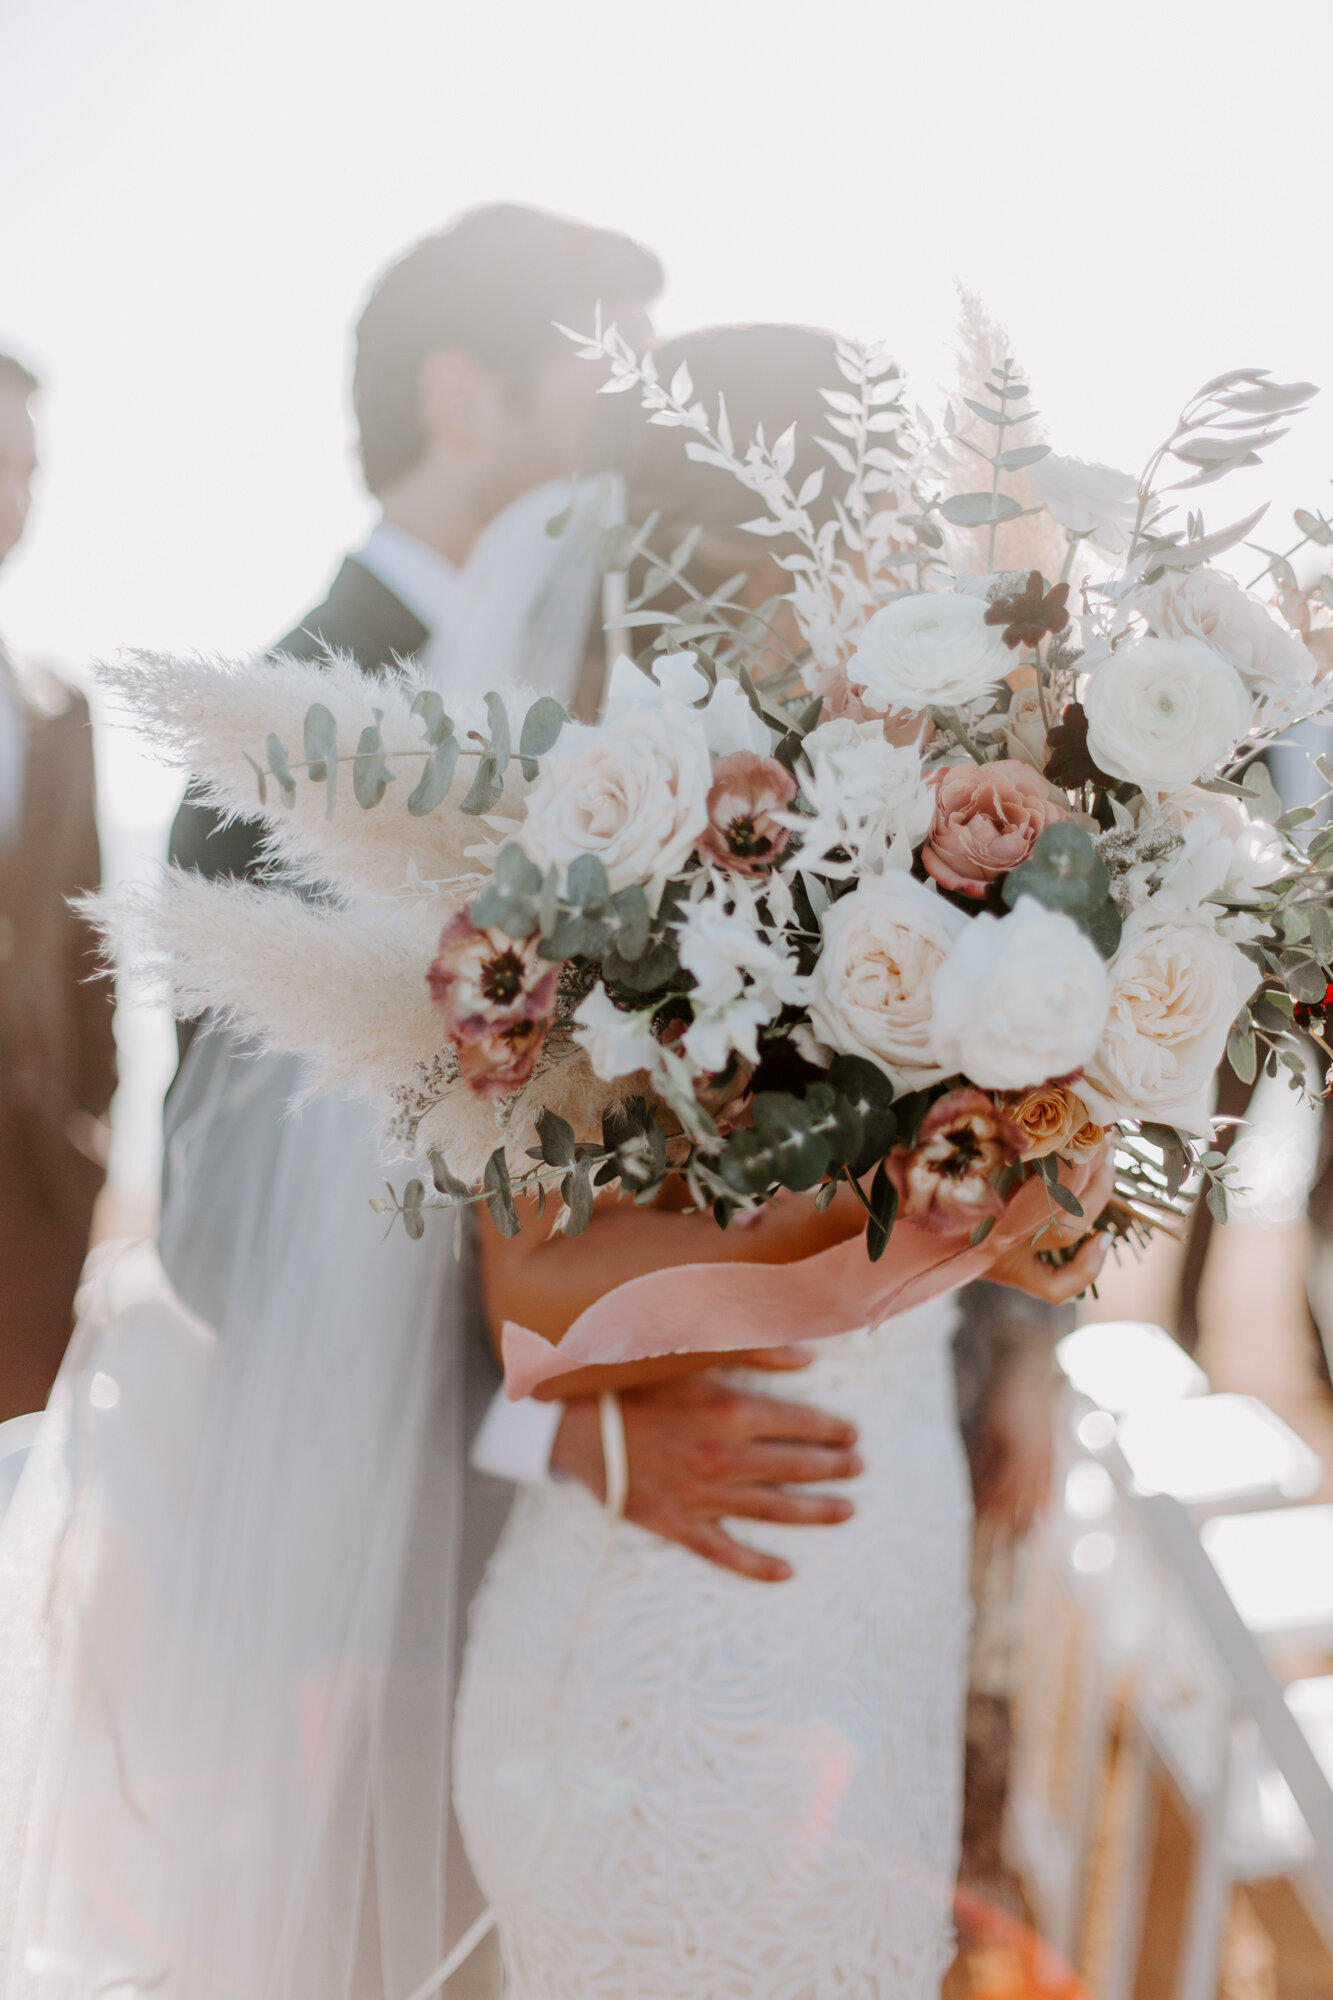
1020	998
1163	712
633	792
1176	988
1024	729
870	990
1092	500
1203	604
616	1043
1225	857
867	796
933	648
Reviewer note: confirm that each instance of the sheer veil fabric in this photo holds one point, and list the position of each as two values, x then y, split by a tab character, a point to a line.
229	1576
233	1558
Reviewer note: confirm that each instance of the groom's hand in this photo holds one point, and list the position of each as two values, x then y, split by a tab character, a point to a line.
701	1452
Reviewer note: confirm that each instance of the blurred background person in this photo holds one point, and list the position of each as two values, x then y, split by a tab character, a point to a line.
57	1054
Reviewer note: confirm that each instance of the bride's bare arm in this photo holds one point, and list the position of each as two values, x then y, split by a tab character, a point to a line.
544	1282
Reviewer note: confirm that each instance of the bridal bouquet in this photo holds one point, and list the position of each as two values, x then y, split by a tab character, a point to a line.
929	876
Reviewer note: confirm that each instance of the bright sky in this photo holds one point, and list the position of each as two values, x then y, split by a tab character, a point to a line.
198	196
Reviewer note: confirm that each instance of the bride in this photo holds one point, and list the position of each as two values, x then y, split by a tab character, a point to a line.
673	1782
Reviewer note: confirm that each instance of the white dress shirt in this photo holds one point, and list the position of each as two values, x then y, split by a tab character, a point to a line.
515	1439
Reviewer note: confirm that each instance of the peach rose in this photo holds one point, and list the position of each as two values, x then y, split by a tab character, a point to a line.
1051	1119
987	818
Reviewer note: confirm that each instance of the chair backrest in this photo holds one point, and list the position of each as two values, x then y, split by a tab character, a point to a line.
1174	1538
16	1439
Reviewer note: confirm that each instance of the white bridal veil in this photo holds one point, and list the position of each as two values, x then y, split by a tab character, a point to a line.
228	1577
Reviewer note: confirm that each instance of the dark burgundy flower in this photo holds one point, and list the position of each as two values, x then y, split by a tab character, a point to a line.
1068	763
1030	614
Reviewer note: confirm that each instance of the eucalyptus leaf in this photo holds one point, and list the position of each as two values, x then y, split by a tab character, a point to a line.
445	1182
486	787
576	1193
320	735
371	776
978	510
499	1194
1021	455
630	922
883	1209
430	708
586	884
556	1138
432	787
541	727
414	1222
1241	1051
499	716
277	763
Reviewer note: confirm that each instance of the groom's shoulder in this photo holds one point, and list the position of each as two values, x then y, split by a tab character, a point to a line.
360	617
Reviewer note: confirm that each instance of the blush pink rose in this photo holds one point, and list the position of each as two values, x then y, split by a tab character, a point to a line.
987	818
746	792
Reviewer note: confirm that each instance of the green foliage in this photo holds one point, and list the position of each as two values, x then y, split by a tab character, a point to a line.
371	776
1065	872
499	1194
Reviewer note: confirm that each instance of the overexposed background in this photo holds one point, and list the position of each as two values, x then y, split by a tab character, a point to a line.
197	198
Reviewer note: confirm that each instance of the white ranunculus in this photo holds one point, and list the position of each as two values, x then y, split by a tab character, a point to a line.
1092	500
632	791
1019	999
1163	712
870	992
867	796
1277	668
931	649
1176	988
617	1043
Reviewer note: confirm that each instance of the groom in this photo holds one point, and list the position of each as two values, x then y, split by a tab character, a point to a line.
467	397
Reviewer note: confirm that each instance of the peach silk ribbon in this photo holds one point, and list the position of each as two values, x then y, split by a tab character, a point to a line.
715	1308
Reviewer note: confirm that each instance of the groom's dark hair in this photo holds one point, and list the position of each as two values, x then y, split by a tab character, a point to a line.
492	284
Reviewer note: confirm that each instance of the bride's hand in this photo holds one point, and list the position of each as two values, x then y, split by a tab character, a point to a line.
1023	1265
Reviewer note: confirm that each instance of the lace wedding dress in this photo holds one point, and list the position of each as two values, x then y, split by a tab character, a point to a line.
676	1784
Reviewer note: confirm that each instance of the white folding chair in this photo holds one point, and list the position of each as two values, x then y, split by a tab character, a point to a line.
1249	1767
1082	1627
16	1438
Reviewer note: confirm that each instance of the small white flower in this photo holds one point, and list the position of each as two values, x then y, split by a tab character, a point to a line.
933	648
729	722
1176	988
1019	999
1163	712
742	979
1092	500
617	1043
867	796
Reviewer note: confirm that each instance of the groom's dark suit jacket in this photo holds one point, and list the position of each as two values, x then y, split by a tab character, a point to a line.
361	617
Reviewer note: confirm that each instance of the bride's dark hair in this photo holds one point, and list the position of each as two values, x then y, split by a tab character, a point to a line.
769	374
